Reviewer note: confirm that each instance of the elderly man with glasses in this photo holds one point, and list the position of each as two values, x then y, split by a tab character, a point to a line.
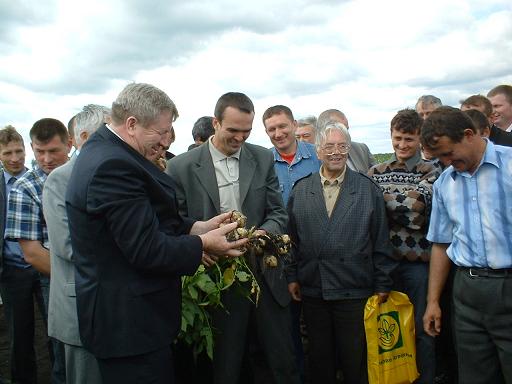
341	256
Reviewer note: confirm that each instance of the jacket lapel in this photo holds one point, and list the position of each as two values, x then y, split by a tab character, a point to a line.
206	175
247	167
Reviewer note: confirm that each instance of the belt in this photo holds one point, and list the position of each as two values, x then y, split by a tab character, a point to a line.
486	272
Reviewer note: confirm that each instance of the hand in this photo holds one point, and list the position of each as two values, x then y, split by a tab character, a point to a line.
215	242
259	232
208	260
201	227
432	319
382	297
294	289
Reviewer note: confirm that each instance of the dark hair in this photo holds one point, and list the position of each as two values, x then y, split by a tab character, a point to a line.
480	121
10	134
236	100
445	121
477	101
277	110
45	129
503	89
407	121
203	128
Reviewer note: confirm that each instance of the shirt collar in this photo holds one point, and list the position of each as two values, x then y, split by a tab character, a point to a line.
114	132
489	157
411	162
302	152
8	176
218	155
339	179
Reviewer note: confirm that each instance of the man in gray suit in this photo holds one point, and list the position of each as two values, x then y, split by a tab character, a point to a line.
359	158
341	256
81	366
224	174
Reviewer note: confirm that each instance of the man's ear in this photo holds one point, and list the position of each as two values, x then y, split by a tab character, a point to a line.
130	124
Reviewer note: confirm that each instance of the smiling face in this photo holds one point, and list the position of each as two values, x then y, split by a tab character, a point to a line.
405	145
501	111
464	155
12	157
333	153
305	133
151	140
281	131
232	131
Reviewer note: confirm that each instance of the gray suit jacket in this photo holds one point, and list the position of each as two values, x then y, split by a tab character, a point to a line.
260	199
62	312
361	157
347	255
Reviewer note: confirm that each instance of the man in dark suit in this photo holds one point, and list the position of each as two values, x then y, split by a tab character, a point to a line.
130	244
483	104
227	173
341	256
360	158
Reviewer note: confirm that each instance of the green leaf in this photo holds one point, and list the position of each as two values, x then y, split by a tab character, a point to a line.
228	277
205	284
192	291
242	276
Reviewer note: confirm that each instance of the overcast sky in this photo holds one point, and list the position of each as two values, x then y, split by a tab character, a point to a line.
366	58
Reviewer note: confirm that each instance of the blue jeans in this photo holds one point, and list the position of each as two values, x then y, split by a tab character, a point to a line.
412	279
56	348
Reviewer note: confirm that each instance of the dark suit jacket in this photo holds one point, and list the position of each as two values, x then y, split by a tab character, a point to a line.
500	137
130	249
260	199
361	157
347	255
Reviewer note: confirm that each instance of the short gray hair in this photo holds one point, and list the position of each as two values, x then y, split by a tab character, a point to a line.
143	101
308	120
330	126
429	100
89	119
327	116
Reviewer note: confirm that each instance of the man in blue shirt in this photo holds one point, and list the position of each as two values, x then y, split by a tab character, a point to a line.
470	225
19	281
25	222
293	159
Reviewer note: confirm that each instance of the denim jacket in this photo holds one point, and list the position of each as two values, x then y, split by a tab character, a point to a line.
304	163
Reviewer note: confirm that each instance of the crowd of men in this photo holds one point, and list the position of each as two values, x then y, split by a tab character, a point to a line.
100	240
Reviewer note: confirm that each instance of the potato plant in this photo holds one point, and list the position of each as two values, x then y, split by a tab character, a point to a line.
202	291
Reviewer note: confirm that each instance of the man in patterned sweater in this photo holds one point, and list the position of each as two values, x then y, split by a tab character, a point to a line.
406	181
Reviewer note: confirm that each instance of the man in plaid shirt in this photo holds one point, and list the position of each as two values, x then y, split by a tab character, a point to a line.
25	220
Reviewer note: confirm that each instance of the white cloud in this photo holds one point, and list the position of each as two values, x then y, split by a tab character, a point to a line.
367	58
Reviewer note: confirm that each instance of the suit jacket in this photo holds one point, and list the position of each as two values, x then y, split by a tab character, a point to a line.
361	157
260	199
62	315
347	255
500	137
130	248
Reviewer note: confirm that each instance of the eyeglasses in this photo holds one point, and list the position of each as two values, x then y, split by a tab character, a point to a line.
342	148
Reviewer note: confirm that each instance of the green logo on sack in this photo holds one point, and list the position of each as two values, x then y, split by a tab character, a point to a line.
390	337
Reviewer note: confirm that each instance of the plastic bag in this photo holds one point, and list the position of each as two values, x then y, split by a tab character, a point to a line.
390	339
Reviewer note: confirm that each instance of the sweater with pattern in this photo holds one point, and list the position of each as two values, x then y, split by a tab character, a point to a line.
407	189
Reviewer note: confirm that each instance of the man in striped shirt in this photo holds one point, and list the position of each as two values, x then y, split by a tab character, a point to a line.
471	224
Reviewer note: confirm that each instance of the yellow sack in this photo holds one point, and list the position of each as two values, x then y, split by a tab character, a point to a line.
390	339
